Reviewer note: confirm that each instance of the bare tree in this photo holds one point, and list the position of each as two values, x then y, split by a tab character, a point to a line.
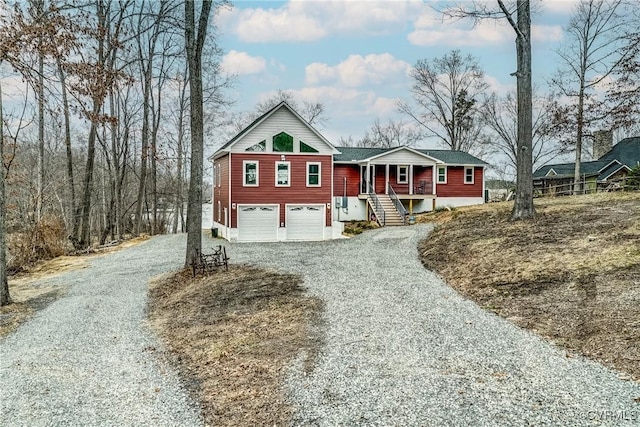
591	53
501	116
393	133
446	91
312	112
194	43
5	298
523	207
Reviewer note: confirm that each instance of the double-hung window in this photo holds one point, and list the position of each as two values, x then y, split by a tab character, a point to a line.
468	175
283	174
442	174
403	174
313	174
250	172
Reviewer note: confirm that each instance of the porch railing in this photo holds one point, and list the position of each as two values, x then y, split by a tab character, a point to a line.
397	203
375	204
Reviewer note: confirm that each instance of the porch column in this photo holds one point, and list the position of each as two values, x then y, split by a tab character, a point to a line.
410	179
367	178
386	178
373	179
435	177
360	171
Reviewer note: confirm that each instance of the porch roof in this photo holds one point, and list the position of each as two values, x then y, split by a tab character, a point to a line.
448	157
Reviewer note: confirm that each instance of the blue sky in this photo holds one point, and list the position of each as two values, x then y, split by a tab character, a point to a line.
354	56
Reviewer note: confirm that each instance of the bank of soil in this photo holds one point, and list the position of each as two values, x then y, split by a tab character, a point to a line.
572	274
232	334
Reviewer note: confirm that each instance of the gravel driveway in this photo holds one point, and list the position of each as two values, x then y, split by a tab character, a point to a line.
402	348
88	359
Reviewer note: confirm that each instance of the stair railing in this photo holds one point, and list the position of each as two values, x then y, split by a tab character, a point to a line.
397	203
374	201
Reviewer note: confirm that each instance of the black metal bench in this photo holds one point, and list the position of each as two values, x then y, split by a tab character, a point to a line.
208	263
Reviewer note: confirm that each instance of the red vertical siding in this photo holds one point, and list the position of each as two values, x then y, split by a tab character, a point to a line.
380	179
221	189
352	175
455	186
422	173
268	193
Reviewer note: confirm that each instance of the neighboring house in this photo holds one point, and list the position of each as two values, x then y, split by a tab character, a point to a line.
610	169
280	179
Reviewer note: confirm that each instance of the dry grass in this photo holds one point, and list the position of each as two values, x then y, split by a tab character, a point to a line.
30	295
572	274
231	334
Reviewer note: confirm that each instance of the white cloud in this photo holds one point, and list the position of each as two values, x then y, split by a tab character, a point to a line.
546	33
562	7
314	20
358	70
431	32
241	63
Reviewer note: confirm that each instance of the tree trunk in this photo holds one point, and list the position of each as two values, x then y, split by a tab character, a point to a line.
577	177
145	145
179	202
40	95
5	298
84	238
67	143
194	42
523	206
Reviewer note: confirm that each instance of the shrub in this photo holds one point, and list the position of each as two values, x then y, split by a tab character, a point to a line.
41	241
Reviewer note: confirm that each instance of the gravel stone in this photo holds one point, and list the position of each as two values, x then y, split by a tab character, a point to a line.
403	348
89	359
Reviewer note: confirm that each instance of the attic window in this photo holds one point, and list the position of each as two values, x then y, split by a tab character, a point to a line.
283	143
304	148
260	146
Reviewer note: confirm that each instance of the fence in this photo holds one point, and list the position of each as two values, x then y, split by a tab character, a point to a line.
584	187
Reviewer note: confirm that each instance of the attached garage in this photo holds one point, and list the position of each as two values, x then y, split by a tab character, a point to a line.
305	222
258	223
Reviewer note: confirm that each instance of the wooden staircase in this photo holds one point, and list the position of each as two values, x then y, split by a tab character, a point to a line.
391	215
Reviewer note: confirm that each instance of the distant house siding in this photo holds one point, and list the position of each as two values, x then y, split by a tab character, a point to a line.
352	175
455	186
268	193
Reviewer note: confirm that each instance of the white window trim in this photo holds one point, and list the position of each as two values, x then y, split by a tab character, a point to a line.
438	175
466	168
319	184
244	173
288	184
406	175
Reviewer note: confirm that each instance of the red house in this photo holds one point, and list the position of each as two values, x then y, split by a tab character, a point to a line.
280	179
273	181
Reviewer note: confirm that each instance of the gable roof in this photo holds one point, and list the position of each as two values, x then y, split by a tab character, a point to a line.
264	117
624	155
449	157
627	152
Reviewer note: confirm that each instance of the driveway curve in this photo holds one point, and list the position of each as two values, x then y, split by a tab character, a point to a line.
88	359
403	348
400	348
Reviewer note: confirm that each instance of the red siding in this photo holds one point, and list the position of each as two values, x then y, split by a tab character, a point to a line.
221	190
455	186
380	178
268	193
352	174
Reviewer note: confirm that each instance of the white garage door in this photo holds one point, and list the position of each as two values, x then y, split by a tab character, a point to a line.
305	222
258	223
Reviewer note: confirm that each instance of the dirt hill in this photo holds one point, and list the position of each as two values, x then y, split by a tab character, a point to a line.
572	274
